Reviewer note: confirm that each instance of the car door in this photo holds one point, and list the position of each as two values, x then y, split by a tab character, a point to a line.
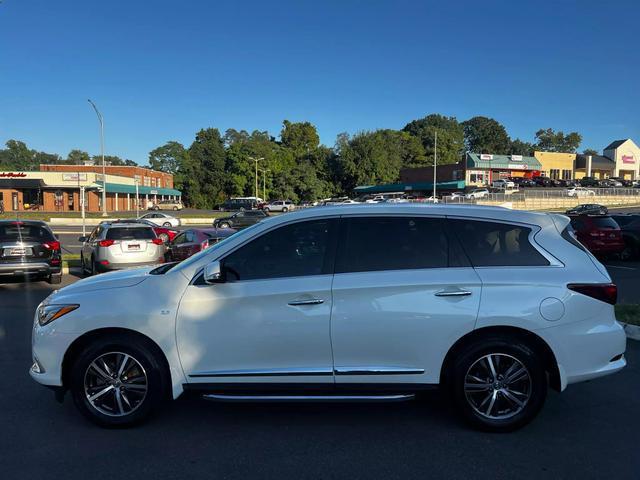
403	292
89	244
240	219
178	247
269	320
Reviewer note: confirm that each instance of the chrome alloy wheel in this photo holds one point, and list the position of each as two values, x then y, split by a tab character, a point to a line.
497	386
115	384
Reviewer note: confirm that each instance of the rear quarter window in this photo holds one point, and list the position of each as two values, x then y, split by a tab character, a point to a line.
493	244
604	222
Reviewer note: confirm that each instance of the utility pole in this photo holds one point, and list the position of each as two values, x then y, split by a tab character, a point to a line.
256	160
104	174
264	183
435	162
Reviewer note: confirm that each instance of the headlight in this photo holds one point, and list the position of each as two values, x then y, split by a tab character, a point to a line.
48	313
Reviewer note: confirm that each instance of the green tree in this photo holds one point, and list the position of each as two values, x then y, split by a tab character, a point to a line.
369	158
204	181
519	147
301	137
450	137
17	156
551	141
486	135
590	151
168	158
77	157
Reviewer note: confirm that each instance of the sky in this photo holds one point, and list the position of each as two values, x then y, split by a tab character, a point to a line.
162	70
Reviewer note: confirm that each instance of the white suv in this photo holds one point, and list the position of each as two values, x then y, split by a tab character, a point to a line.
279	206
493	304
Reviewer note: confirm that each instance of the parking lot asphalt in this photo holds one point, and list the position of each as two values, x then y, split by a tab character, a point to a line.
589	431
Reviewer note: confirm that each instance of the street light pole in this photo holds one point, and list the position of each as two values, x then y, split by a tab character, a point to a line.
264	183
104	174
256	160
435	162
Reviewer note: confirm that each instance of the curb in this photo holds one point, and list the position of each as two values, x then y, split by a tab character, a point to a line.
632	331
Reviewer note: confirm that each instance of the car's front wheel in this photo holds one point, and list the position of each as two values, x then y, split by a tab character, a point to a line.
224	225
117	381
166	224
499	384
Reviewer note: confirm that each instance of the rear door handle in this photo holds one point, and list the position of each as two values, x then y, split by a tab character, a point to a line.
311	301
453	293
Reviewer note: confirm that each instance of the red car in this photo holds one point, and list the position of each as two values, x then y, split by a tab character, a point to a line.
163	233
190	242
599	233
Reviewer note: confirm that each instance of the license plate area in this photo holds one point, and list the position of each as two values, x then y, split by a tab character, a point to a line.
133	247
17	252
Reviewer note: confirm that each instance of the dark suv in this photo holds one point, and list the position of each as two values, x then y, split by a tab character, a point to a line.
29	249
239	204
241	219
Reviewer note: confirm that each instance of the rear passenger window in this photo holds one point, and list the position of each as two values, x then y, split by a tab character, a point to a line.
398	243
490	244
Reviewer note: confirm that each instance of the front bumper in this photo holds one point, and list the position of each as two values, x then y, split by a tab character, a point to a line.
47	350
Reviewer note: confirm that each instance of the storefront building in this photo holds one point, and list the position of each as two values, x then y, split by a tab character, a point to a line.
625	155
482	169
145	176
61	191
556	165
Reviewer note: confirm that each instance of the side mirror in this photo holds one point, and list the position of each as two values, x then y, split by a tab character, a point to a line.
82	239
213	273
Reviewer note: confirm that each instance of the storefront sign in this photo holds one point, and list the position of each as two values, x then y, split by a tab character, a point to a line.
153	192
12	175
516	158
486	156
518	166
74	177
628	158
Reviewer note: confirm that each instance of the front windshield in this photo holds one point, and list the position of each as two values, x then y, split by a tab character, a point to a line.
195	258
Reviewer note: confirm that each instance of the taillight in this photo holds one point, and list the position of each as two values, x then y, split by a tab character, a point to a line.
106	243
157	241
51	245
605	292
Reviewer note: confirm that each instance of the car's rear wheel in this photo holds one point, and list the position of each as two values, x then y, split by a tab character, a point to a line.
224	225
266	209
117	382
285	210
499	384
175	209
166	224
94	267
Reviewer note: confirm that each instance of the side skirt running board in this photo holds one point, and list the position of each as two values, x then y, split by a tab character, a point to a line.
307	398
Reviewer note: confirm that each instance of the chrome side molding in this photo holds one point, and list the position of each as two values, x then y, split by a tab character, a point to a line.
307	398
365	370
268	372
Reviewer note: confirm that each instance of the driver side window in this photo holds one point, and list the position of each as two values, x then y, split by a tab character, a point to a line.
300	249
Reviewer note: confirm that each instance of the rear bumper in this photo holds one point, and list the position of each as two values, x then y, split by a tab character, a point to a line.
603	247
124	266
587	349
28	268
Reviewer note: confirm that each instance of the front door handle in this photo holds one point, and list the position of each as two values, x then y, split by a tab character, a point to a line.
311	301
453	293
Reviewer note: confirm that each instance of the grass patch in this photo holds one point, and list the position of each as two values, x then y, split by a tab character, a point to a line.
628	314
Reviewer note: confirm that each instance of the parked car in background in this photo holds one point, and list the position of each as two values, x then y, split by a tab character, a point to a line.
456	195
630	226
589	182
502	184
167	205
580	192
29	250
624	182
241	219
161	218
609	183
279	206
166	234
542	181
588	209
321	299
241	204
118	246
194	240
477	193
600	234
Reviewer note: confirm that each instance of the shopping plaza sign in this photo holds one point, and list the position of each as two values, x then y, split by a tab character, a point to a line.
628	158
12	175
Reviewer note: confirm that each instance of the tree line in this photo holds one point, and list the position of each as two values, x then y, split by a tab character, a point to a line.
297	166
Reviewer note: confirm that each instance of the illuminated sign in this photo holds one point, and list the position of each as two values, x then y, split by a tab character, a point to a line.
13	175
628	158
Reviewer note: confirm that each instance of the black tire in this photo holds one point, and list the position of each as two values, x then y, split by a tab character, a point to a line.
266	209
175	209
285	210
94	267
506	348
55	278
166	224
224	225
145	404
242	209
